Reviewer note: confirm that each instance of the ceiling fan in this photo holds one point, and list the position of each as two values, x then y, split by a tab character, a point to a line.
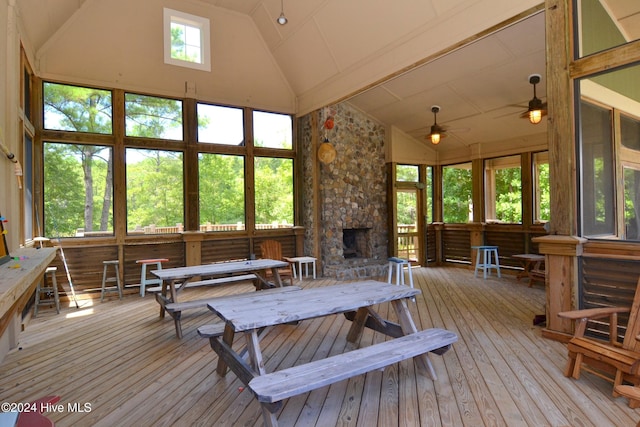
537	109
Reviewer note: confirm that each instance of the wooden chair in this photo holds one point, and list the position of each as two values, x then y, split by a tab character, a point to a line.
272	249
611	360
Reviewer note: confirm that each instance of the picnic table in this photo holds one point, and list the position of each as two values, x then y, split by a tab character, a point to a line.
249	315
176	279
532	265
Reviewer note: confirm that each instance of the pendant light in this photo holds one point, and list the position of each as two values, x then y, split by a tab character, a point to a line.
282	19
535	112
437	131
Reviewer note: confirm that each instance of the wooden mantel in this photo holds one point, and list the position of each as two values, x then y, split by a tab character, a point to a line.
17	284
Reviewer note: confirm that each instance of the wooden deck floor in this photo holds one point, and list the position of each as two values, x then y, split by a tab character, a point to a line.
129	367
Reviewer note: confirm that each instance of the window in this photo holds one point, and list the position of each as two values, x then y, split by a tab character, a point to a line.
407	173
155	195
78	190
272	130
503	190
601	26
186	40
457	193
79	194
220	125
597	169
222	193
77	109
274	192
153	117
541	193
630	157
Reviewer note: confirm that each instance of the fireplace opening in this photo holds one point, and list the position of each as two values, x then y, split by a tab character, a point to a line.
355	243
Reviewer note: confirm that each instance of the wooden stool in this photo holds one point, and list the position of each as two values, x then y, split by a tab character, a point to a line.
105	279
143	275
486	252
50	290
398	264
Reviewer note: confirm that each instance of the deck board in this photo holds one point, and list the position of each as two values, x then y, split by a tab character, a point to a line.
127	363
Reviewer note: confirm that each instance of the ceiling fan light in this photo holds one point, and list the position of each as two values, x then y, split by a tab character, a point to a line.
535	116
435	138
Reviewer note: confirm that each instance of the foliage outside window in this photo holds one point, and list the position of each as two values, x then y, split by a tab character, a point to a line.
457	193
429	194
221	193
155	199
272	130
78	190
186	40
407	173
220	125
77	109
273	192
153	117
503	189
541	193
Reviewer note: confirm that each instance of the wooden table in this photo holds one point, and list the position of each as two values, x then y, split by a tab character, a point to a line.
176	279
251	315
18	280
530	263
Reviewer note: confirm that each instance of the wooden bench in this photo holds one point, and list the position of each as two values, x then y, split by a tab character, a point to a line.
273	387
175	309
209	282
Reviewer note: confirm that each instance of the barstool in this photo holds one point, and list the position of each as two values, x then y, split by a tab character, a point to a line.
105	279
143	275
50	290
486	252
398	264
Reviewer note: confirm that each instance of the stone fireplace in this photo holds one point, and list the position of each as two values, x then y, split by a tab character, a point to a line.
345	203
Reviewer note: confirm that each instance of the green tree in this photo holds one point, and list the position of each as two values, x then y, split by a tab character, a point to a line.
221	180
274	190
456	193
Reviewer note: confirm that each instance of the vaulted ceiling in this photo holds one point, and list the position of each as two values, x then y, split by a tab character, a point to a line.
394	60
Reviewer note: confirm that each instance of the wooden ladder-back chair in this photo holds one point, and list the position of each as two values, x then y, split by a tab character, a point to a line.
611	360
272	249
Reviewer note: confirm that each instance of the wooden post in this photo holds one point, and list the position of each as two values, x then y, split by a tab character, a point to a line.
561	280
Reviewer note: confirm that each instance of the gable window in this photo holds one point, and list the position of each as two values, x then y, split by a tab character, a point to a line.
186	40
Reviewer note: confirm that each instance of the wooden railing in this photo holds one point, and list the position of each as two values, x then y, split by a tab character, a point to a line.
179	228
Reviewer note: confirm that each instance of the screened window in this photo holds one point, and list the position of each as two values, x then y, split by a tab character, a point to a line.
602	25
457	193
274	192
407	173
503	190
541	193
272	130
222	193
186	40
598	195
155	195
78	190
77	109
153	117
220	125
429	194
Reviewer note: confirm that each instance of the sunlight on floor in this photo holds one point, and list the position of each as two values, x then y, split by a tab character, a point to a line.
83	309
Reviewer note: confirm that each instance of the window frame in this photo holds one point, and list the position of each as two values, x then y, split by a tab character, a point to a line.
171	16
